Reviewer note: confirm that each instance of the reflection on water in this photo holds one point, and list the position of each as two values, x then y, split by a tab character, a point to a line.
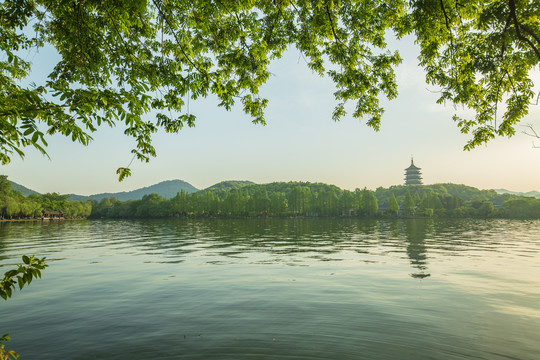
271	288
415	232
288	241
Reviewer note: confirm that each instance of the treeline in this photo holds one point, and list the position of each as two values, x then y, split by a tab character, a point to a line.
315	199
276	199
245	199
452	200
14	205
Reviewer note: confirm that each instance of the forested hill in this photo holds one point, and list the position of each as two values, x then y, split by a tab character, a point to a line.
228	185
535	194
246	199
463	192
23	190
166	189
317	199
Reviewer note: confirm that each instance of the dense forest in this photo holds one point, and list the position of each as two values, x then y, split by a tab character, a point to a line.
14	205
316	199
280	199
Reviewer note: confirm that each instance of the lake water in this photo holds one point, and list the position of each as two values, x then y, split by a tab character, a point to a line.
276	289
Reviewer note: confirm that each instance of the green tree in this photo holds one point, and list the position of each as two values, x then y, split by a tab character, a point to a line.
393	206
431	203
151	206
522	208
408	204
54	201
5	185
102	208
486	209
278	203
416	198
122	60
357	200
298	199
327	201
259	202
11	207
346	202
369	205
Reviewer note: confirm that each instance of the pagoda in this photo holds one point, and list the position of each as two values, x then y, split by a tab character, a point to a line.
413	175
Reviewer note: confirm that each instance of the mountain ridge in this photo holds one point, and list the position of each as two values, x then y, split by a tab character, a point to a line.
22	189
169	188
166	189
533	193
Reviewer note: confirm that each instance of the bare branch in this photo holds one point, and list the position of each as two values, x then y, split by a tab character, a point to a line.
533	133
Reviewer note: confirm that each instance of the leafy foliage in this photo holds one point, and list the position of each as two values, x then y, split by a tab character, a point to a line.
138	62
481	54
393	206
22	275
229	185
522	208
6	354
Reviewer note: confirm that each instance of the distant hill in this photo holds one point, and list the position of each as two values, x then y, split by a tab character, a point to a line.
534	194
170	188
229	185
167	189
23	190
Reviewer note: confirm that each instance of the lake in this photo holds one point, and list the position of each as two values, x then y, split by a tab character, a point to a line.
276	289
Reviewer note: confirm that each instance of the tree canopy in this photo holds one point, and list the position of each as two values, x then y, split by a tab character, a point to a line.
138	62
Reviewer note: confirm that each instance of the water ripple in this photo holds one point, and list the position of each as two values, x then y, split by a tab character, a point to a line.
271	288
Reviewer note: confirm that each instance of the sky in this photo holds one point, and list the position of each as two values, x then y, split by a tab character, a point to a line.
300	142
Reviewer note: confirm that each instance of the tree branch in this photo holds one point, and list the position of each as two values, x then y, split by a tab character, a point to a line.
46	108
176	36
336	37
517	25
533	134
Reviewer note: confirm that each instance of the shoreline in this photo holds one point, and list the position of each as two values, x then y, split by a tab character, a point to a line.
39	219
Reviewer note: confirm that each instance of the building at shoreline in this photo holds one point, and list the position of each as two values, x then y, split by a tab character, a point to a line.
413	176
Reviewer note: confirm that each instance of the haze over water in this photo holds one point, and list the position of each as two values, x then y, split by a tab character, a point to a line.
276	288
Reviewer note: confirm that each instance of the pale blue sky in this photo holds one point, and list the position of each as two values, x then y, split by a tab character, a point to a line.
299	143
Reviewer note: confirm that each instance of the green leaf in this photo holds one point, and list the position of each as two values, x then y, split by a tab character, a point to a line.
21	282
11	273
123	173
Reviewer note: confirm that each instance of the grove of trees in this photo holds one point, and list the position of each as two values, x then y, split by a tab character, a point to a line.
275	199
13	205
283	199
320	200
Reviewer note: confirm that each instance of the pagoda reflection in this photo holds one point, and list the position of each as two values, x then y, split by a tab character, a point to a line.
415	233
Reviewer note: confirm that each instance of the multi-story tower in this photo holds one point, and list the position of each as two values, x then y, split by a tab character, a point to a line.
413	175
